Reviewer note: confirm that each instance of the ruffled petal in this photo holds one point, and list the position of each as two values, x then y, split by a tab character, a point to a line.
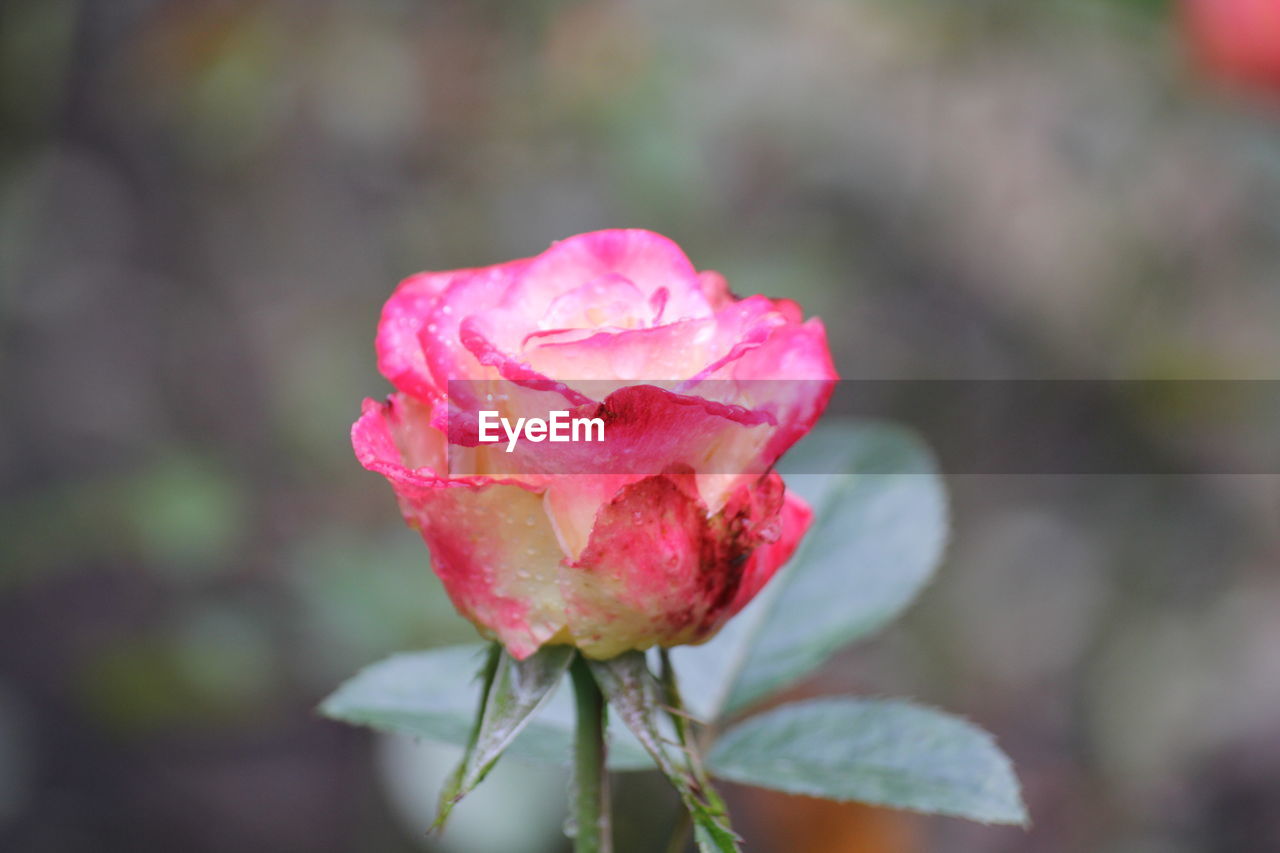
610	301
790	377
648	260
672	352
508	366
400	354
470	293
681	350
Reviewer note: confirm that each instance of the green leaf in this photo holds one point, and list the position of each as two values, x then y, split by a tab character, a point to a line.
879	531
514	690
432	694
638	700
887	753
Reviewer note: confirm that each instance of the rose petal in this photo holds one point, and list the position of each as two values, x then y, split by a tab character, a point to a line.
793	520
508	366
470	293
572	503
400	355
491	543
671	352
608	301
790	377
686	349
648	260
657	570
715	289
495	552
648	431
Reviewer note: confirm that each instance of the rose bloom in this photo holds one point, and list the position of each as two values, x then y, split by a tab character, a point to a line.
1237	41
665	531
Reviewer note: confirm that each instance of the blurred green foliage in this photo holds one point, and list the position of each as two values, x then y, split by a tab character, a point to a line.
203	204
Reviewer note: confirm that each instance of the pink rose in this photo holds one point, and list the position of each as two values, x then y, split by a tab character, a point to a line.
663	532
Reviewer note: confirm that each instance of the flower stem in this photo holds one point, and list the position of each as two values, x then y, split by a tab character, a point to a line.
591	779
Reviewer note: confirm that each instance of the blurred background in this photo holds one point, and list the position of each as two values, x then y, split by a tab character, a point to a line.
204	203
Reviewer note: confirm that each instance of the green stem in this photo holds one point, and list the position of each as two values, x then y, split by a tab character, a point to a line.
591	779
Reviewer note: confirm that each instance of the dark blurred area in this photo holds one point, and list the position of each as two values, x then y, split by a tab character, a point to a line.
204	204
